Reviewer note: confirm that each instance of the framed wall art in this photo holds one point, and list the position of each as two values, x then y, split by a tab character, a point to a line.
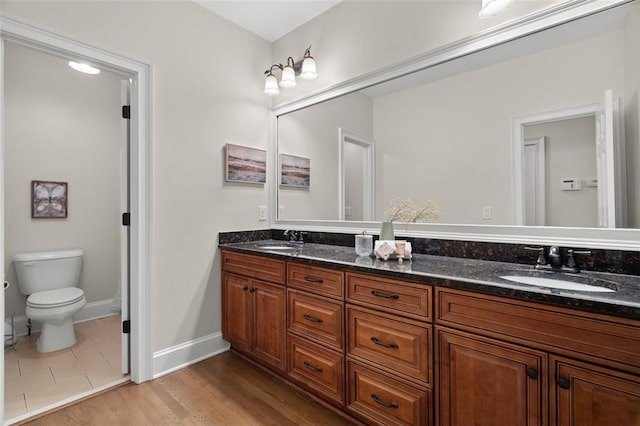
295	171
48	199
245	164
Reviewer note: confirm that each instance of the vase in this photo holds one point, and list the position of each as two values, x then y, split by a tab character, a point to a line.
386	231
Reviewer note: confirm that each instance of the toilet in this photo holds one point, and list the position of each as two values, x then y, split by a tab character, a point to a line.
50	279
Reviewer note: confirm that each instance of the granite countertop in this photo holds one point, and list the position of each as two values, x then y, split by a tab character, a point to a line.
470	274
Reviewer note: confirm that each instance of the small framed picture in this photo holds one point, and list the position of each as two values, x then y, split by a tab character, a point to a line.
48	199
245	164
295	171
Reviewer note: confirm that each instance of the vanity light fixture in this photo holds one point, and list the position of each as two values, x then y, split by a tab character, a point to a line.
305	68
85	68
491	8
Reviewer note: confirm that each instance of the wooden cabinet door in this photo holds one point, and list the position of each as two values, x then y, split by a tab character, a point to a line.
586	395
485	382
269	312
237	316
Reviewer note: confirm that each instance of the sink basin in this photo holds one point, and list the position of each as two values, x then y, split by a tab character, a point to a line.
574	284
282	247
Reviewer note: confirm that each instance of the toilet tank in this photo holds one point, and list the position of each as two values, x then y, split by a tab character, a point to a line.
48	270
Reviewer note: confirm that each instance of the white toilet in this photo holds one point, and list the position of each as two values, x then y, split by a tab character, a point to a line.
50	279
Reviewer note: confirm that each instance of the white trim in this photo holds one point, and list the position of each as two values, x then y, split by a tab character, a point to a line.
176	357
622	239
368	177
91	311
141	182
540	181
517	147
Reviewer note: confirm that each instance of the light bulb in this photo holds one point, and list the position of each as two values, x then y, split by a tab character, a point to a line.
309	69
288	77
85	68
271	85
491	8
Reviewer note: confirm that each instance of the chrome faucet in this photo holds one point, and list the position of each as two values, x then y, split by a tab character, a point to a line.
555	261
294	236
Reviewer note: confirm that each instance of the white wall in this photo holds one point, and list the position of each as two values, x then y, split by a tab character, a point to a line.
62	125
314	133
570	153
357	37
455	133
198	105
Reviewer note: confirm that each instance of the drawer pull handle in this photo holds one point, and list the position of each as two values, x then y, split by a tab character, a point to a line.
308	366
381	343
384	403
245	288
385	296
312	319
564	383
313	280
532	373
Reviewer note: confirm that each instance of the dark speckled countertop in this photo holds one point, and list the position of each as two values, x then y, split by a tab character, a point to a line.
469	274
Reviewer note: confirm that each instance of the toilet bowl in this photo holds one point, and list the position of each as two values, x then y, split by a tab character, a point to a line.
55	310
49	279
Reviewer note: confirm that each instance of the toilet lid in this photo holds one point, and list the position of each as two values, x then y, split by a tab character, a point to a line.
55	298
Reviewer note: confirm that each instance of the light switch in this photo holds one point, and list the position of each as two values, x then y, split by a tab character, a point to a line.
262	213
486	212
571	184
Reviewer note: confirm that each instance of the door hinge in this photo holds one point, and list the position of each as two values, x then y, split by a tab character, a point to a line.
126	219
126	326
126	111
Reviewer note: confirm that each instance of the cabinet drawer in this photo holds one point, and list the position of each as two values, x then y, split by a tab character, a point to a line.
317	368
316	318
383	400
390	344
564	331
259	267
391	295
315	279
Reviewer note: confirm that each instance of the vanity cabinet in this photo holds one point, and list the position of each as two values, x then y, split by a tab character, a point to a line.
488	382
587	395
315	329
389	350
591	362
254	310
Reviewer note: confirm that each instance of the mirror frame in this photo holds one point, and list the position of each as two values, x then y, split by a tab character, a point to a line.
604	238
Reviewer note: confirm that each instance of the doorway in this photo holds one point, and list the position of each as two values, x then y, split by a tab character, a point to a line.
65	126
356	177
140	359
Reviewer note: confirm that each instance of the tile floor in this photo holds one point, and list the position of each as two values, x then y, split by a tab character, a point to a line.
34	380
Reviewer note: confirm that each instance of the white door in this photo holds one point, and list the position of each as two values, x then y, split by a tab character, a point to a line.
611	165
534	182
125	97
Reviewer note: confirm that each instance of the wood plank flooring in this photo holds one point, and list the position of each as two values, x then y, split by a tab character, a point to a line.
223	390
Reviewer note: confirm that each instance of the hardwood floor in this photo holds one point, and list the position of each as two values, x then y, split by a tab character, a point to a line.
223	390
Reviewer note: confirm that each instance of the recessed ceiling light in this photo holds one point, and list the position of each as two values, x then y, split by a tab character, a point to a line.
85	68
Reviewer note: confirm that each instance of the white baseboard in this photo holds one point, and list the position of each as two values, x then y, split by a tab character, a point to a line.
91	311
176	357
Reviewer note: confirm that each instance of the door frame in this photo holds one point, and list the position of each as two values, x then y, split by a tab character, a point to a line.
368	173
517	147
540	187
140	185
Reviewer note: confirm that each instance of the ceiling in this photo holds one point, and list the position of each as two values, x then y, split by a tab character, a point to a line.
266	18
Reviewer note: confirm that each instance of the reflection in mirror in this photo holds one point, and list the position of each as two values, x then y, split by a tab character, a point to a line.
357	177
446	133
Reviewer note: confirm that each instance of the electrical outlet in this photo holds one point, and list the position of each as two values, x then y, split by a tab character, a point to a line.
281	212
347	211
262	213
486	212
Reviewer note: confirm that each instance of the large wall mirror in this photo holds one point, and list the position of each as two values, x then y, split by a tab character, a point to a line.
537	131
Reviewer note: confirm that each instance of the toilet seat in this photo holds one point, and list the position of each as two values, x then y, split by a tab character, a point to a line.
55	298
